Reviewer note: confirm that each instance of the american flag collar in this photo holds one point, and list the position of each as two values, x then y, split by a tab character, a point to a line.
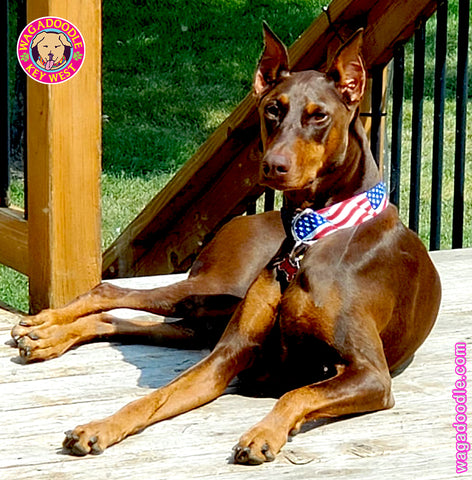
309	225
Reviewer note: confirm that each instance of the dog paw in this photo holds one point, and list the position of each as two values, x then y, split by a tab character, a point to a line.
25	347
259	445
39	340
253	456
85	440
46	316
26	324
21	330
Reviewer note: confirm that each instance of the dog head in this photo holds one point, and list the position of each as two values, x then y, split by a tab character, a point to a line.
306	116
51	45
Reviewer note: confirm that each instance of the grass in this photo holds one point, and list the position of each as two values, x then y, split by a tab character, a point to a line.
172	71
171	75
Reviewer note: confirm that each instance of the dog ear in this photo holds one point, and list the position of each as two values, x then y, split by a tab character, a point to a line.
348	71
37	39
64	40
273	63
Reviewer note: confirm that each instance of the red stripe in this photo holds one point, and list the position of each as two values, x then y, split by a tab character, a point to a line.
346	221
353	210
348	213
324	230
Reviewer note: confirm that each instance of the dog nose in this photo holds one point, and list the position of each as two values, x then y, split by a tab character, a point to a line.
275	165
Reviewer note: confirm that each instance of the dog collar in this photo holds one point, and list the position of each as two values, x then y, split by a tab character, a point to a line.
309	226
44	64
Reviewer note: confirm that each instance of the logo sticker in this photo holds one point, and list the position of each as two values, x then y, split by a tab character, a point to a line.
51	50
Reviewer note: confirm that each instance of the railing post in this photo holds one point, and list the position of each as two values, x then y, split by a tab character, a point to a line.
397	123
377	105
269	199
373	114
417	126
5	153
438	134
461	122
64	157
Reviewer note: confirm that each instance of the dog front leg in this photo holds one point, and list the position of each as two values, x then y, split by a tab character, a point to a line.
51	340
357	388
199	385
52	332
204	382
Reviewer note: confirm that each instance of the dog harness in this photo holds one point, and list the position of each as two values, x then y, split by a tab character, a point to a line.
308	226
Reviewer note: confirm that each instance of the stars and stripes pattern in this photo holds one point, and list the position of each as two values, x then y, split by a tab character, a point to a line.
309	225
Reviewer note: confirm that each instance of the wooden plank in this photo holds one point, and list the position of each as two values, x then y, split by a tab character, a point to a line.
177	250
454	268
64	161
14	239
40	401
169	232
392	22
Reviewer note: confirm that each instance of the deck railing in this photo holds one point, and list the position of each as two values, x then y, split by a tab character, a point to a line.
49	247
55	238
461	92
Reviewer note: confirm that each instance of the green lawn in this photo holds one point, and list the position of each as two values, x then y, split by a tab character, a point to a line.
172	71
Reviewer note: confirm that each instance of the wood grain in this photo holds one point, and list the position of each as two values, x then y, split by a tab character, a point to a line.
414	439
14	239
64	164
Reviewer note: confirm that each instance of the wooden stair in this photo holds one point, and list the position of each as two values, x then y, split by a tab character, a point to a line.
220	180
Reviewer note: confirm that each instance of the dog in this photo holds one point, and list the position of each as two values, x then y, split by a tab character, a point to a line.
51	48
324	301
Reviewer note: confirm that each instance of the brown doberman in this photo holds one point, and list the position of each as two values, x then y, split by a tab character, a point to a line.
323	302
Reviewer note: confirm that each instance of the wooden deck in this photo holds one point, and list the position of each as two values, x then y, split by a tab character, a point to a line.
413	440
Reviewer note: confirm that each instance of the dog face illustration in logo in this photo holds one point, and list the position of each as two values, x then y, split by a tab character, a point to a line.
53	49
50	50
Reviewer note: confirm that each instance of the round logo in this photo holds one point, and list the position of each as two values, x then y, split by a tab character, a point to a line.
51	50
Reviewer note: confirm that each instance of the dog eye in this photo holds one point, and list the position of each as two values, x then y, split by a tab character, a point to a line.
318	117
272	111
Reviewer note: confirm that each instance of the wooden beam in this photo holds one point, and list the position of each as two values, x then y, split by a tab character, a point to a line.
170	231
64	161
14	239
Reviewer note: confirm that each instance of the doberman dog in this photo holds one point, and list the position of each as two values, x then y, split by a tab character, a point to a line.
324	302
